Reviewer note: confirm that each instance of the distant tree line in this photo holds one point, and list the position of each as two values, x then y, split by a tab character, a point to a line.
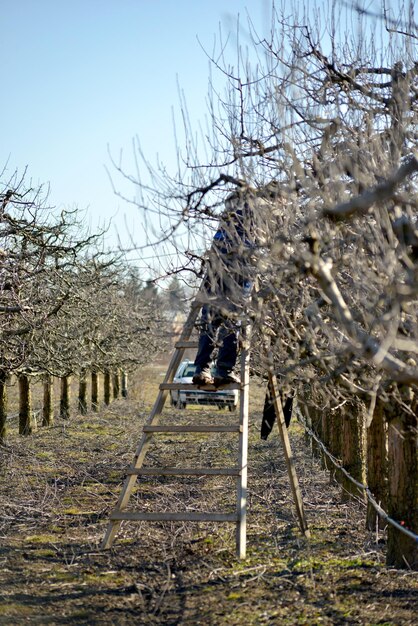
67	308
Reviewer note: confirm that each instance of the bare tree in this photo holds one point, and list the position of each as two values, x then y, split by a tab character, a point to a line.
37	248
65	307
322	131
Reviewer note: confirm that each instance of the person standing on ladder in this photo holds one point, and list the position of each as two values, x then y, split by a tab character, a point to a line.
227	285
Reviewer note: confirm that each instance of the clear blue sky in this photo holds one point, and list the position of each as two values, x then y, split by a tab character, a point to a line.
80	76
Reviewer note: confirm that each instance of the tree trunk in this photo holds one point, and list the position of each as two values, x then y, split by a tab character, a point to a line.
335	443
124	382
326	437
94	391
65	410
3	405
402	551
26	421
106	385
377	465
116	384
353	450
48	405
308	421
82	393
316	421
306	416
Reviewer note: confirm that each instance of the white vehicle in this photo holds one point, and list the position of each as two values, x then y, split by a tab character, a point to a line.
181	397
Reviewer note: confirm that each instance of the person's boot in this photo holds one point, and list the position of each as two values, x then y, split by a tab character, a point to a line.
226	379
203	378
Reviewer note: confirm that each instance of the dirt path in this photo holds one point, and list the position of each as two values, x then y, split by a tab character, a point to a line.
59	485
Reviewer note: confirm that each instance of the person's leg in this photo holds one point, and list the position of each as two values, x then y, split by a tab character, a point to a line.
228	351
269	414
237	291
207	342
269	411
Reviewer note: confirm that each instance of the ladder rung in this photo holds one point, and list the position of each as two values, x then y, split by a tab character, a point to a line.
187	344
185	386
183	516
184	471
193	428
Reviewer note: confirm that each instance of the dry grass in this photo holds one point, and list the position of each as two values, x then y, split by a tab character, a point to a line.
59	485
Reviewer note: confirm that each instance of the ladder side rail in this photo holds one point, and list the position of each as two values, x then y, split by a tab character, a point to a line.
185	334
145	440
125	494
241	530
174	362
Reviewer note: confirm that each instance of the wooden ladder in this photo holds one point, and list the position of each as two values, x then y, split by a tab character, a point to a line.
152	428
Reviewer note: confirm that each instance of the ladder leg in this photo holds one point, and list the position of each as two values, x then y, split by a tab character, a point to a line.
111	532
294	483
125	494
241	532
143	446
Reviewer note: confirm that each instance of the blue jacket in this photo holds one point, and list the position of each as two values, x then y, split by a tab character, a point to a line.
234	230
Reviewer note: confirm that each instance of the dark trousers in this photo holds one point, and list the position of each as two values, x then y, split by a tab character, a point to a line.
217	330
269	412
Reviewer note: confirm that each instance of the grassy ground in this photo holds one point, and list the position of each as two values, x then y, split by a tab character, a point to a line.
59	486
